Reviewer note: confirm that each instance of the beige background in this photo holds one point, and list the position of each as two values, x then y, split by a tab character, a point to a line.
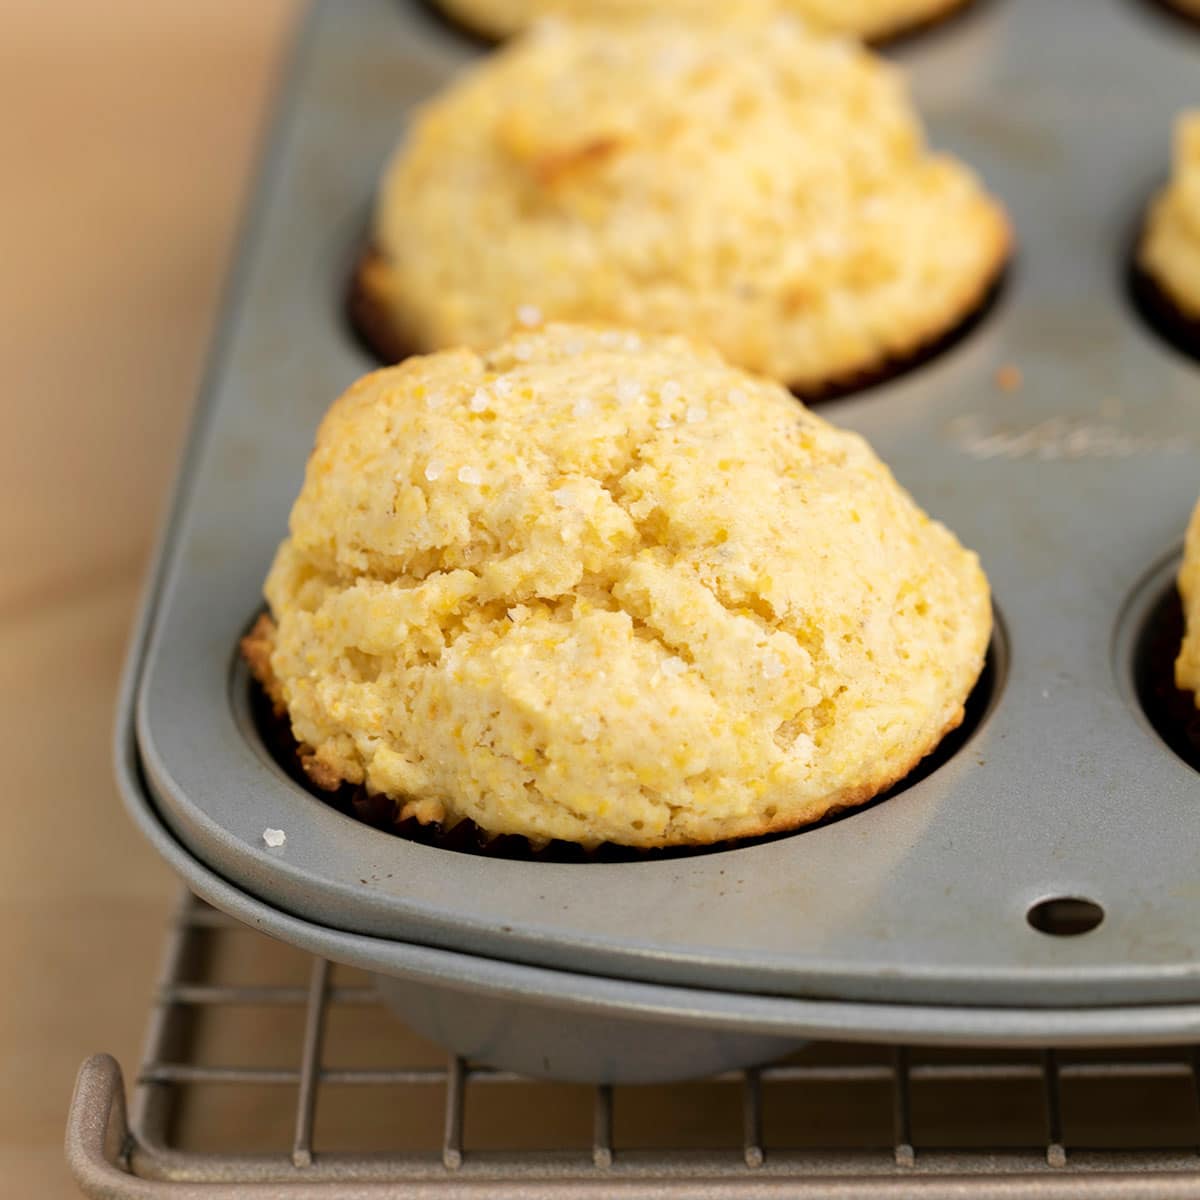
127	130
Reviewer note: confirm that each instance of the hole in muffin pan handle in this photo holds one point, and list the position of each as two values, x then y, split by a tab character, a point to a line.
1065	916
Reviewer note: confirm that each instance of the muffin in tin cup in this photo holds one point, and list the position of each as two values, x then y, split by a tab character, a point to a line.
602	587
751	184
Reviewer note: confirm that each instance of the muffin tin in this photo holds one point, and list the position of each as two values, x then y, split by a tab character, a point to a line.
925	916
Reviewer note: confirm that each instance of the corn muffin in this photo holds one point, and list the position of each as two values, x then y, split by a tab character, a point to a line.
873	19
1170	247
1187	665
604	587
753	185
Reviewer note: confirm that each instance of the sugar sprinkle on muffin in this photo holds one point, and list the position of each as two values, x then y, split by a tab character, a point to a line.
635	595
754	186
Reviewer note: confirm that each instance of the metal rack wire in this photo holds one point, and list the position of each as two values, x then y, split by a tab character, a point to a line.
1037	1143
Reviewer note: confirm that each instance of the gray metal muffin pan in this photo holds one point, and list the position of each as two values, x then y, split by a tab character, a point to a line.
562	1025
1072	488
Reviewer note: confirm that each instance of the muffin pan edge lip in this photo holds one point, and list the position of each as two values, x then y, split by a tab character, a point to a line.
1100	959
324	888
559	990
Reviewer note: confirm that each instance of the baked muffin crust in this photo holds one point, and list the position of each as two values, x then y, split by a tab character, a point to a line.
752	185
604	587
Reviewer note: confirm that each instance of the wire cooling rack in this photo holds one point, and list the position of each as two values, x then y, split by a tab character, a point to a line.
268	1073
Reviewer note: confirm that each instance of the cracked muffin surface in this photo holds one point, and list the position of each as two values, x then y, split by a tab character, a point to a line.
599	586
861	18
752	185
1170	247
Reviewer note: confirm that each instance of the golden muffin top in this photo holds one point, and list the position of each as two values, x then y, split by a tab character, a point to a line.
751	184
603	587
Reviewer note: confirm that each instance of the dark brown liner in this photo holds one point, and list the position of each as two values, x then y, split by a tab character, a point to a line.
440	16
1174	13
899	36
903	34
895	368
369	319
1160	311
372	324
467	838
1170	709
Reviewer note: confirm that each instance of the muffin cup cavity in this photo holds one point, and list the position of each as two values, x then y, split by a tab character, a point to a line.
1160	312
1171	710
368	316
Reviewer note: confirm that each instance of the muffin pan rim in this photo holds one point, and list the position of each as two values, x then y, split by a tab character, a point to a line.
1078	972
559	990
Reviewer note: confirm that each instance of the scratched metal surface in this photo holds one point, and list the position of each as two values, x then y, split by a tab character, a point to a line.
1074	489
